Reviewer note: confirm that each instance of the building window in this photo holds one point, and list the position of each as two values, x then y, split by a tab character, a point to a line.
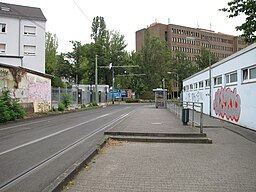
207	83
231	78
2	47
218	80
195	85
191	86
29	50
29	30
249	74
2	28
201	84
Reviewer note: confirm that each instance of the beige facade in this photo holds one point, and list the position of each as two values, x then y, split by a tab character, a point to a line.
191	40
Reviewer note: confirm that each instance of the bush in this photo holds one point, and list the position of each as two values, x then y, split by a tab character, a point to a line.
93	104
10	109
61	107
132	100
66	99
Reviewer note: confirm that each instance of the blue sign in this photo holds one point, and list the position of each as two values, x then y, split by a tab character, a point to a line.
116	94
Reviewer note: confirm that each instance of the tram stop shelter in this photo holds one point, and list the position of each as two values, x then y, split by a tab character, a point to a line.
160	97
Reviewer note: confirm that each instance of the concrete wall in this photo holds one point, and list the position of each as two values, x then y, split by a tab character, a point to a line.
27	87
234	102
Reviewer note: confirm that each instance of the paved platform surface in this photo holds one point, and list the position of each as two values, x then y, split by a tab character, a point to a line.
229	164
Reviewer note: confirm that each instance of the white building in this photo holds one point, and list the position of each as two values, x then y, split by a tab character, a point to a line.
22	37
232	95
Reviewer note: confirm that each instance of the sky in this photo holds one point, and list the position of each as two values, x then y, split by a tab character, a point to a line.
72	19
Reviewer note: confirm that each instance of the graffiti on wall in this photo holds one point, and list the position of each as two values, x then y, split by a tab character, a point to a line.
3	73
194	97
27	87
227	103
39	91
21	93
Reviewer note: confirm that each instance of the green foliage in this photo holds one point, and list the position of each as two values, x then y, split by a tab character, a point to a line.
154	60
61	107
204	59
83	106
57	82
132	100
98	28
182	67
51	45
248	8
92	104
66	99
10	109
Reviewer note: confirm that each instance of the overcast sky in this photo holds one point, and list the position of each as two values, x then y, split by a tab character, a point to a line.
72	19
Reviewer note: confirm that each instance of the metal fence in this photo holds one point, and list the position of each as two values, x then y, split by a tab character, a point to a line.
78	96
195	111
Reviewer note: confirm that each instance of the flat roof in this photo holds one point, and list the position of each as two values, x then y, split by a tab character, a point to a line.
243	51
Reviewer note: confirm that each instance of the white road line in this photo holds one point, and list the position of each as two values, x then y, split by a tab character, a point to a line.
62	151
20	125
51	135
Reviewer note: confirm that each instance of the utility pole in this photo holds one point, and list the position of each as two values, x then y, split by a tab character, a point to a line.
96	79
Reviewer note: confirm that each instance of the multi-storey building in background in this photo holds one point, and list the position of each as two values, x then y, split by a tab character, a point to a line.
191	40
22	37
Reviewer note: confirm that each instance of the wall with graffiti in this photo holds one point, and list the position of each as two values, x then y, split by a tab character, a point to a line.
227	104
231	93
27	87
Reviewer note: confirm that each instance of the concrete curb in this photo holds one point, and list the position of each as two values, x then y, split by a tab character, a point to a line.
58	184
115	133
191	140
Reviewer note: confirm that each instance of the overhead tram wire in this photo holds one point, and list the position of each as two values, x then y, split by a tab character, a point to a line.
82	11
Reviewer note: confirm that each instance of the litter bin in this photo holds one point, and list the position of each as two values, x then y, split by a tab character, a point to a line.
185	116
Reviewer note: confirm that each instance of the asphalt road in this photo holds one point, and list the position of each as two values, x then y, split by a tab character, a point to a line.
34	153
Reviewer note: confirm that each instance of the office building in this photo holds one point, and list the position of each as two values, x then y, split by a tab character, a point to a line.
191	40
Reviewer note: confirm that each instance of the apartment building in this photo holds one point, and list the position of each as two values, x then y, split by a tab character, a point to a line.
191	40
22	37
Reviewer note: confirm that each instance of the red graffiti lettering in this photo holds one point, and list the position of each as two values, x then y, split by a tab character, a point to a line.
227	103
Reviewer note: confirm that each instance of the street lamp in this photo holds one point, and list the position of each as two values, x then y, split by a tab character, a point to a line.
210	73
170	72
96	79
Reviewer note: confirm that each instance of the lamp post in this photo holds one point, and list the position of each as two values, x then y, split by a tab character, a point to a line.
170	72
96	79
210	73
113	83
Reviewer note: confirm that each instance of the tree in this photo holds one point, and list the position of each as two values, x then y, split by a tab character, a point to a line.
183	67
63	70
98	29
78	61
155	60
248	7
202	60
51	45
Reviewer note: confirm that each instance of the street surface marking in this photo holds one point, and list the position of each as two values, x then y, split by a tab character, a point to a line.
156	123
51	135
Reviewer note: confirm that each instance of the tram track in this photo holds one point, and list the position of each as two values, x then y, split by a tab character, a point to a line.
12	181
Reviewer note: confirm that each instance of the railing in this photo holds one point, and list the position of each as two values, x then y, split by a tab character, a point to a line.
195	109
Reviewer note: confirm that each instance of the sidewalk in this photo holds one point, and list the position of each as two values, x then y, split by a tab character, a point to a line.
228	164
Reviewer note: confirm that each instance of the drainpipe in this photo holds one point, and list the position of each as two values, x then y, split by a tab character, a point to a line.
19	47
